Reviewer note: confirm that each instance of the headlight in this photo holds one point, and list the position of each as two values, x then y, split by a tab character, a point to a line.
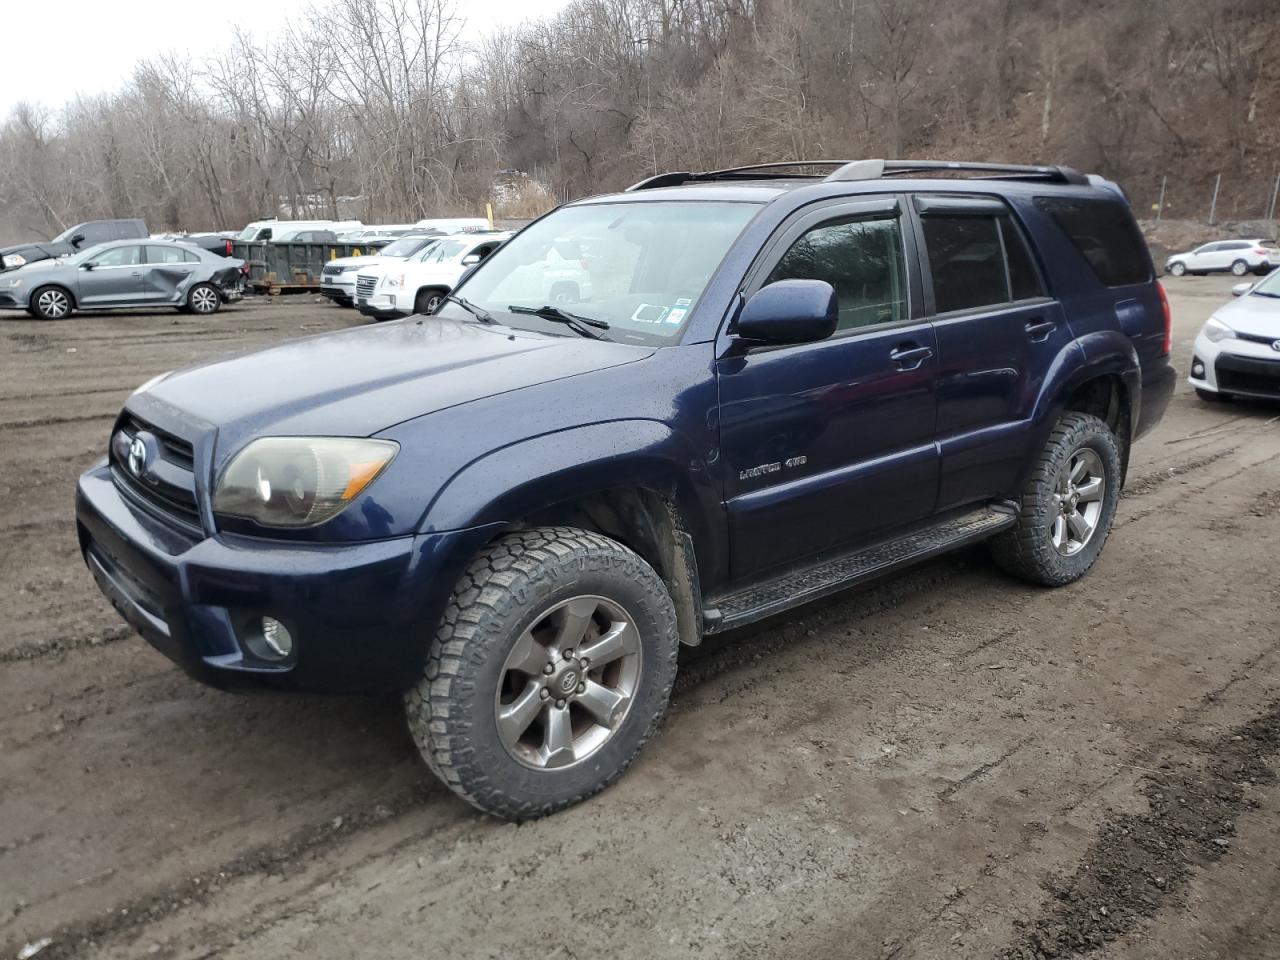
393	282
299	481
1217	331
12	260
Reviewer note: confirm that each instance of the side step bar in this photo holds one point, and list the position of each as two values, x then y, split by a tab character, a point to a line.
768	597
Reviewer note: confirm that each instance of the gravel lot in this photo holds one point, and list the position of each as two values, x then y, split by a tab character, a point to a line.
947	764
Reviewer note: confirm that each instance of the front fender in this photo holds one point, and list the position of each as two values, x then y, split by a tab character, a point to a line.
529	476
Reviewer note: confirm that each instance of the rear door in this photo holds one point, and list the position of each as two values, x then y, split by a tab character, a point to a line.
115	278
167	274
830	444
997	332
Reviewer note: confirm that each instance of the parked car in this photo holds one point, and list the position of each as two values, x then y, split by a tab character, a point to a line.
261	230
125	273
80	237
1238	257
217	243
419	283
1237	352
454	224
306	235
778	385
338	278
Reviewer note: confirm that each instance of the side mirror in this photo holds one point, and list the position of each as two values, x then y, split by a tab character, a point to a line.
89	266
1240	289
471	259
790	311
77	240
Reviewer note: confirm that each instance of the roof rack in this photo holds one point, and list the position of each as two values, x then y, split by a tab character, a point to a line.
853	170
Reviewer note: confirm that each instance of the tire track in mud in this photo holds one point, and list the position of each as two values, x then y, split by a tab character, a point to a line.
57	646
80	939
1139	862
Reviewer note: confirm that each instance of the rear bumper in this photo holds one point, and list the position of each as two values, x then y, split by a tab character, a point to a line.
1158	383
361	614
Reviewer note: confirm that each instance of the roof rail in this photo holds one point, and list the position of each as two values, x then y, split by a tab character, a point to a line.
852	170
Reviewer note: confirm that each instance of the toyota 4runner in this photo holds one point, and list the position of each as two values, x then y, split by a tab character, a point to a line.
780	381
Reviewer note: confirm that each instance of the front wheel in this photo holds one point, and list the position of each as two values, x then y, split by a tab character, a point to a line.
552	667
1067	507
203	299
428	301
1178	269
1239	268
51	303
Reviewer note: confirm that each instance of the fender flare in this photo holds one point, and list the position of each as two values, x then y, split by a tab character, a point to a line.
512	482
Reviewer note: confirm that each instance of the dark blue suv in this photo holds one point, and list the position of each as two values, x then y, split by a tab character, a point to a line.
649	417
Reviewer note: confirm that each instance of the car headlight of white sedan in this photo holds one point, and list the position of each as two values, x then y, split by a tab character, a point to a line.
1216	331
9	261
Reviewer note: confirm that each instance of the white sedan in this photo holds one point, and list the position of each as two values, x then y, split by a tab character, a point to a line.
418	284
1238	350
1235	256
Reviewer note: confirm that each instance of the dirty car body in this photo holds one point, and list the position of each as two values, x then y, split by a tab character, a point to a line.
775	385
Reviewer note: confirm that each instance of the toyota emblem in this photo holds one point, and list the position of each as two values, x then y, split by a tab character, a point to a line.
142	452
1275	345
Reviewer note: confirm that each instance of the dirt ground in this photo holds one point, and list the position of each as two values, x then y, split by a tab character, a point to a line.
948	764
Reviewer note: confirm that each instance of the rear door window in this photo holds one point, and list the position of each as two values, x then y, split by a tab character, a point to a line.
157	254
1105	234
978	259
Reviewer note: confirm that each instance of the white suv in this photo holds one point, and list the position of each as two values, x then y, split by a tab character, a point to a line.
338	278
394	289
1237	256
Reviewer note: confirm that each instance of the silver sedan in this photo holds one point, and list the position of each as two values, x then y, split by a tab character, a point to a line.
124	273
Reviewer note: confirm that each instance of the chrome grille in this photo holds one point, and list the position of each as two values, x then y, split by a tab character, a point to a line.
365	284
169	488
332	270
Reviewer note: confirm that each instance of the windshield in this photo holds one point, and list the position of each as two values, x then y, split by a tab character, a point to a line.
248	232
85	255
401	248
66	235
1269	287
639	267
442	250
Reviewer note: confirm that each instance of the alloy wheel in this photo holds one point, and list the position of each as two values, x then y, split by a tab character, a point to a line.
1078	498
204	300
53	304
568	683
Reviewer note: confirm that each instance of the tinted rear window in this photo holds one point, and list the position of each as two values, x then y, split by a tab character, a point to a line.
1104	232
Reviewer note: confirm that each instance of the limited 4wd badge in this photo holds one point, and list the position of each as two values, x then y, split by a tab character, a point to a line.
766	468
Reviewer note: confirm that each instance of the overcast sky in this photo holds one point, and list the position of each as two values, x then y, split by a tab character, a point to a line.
58	48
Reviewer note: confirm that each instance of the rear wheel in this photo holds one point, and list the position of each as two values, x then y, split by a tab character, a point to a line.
51	303
1239	268
551	669
204	299
1067	506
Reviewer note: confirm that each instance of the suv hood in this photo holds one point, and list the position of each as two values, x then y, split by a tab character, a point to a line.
362	381
1254	314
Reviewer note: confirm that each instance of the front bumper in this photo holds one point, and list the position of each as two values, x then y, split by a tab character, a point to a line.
381	306
360	613
335	289
10	300
1244	368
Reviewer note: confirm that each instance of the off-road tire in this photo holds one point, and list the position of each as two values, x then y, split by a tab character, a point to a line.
1025	550
451	711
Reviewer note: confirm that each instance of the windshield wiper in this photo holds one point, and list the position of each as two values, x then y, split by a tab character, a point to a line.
578	324
1265	293
481	314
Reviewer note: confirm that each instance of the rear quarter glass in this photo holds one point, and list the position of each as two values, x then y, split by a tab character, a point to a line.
1105	234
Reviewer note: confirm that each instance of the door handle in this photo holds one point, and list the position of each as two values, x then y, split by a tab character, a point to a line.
909	356
1039	330
136	273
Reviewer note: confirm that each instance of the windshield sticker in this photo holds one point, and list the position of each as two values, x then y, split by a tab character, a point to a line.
676	315
649	313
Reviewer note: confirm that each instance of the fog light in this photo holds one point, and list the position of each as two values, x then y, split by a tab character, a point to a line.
1197	369
271	641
